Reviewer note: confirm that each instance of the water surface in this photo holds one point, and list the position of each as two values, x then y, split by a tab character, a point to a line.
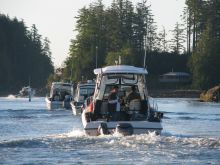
30	134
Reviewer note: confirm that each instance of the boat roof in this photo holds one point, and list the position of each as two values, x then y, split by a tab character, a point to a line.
120	69
88	82
61	83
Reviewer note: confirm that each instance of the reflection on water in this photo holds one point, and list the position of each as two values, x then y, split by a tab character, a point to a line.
190	117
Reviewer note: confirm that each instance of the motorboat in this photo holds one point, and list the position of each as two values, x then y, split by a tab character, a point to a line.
82	92
26	91
60	96
138	116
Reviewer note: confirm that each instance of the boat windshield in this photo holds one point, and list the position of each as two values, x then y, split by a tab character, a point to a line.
62	89
123	92
86	91
121	78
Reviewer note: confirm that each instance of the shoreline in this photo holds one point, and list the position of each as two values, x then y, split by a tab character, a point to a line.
174	93
157	93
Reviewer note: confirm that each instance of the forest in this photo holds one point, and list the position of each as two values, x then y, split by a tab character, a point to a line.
106	32
128	30
25	56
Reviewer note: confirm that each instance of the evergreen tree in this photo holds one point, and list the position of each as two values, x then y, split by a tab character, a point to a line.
176	43
104	34
46	48
22	57
162	41
205	60
196	19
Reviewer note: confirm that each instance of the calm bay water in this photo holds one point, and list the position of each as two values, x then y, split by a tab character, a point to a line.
30	134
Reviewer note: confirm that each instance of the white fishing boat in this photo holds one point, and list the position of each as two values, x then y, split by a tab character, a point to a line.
26	92
82	92
60	96
105	116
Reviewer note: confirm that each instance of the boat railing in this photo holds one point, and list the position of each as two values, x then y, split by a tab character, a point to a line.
152	104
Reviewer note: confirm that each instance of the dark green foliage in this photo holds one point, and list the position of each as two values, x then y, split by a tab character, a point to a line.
104	34
160	63
178	40
205	61
23	56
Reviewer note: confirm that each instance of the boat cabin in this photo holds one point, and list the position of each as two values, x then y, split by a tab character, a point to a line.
125	78
60	91
120	103
84	90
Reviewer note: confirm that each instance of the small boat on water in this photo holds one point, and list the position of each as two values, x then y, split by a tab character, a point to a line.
60	96
26	92
123	114
82	92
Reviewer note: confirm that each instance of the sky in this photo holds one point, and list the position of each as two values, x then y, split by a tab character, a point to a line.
55	19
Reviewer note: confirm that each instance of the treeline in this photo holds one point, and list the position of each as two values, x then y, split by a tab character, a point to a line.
105	33
203	39
128	30
24	56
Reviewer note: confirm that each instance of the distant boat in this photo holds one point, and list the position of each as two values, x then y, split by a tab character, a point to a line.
60	96
26	92
175	77
83	91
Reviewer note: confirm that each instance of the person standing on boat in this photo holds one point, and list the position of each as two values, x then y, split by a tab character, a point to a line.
113	103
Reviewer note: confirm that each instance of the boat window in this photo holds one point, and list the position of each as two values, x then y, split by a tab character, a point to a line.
66	85
86	91
123	92
112	81
130	81
124	76
108	89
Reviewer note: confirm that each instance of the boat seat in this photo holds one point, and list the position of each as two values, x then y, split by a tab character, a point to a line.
134	106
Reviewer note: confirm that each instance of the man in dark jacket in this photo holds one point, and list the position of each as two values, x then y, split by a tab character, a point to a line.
133	95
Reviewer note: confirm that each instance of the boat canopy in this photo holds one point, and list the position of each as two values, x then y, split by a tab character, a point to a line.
61	86
126	69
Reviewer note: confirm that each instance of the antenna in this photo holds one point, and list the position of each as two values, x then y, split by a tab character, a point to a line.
145	51
71	73
116	62
29	89
119	60
96	56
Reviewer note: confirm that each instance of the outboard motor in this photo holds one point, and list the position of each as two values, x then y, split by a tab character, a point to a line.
103	129
124	129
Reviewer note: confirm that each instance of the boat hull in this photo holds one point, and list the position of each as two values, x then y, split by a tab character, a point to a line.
77	110
139	127
51	105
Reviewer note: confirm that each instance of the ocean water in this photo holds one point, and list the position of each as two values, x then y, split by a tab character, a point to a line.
30	134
